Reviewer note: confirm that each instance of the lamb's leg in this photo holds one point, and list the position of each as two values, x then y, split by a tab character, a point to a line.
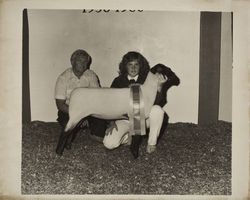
69	132
74	120
135	145
67	137
63	141
70	125
73	135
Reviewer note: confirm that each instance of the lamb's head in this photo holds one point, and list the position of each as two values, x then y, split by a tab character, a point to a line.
149	89
161	80
155	80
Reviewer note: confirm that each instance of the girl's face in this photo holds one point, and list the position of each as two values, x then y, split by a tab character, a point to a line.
133	68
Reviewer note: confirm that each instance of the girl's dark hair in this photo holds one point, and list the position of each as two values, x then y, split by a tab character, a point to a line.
130	56
78	53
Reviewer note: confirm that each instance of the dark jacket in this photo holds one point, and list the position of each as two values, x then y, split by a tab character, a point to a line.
123	82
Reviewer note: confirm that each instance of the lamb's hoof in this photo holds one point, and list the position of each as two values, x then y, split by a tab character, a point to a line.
151	148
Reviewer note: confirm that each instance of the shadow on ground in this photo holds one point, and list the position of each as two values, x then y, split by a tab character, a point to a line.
190	160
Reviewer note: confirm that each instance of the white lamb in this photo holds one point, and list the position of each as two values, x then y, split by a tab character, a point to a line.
110	103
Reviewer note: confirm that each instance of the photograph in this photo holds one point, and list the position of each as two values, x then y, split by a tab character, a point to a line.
126	102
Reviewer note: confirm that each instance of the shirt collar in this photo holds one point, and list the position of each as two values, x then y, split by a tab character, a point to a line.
130	77
74	76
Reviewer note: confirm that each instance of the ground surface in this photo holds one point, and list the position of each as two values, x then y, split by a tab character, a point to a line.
189	160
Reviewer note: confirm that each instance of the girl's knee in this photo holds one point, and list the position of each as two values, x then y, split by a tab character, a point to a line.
116	138
109	144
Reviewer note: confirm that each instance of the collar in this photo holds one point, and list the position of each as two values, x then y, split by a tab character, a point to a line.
74	76
130	77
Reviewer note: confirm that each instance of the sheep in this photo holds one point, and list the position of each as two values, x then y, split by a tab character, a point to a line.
110	103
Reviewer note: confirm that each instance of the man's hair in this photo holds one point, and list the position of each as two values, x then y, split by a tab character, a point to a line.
79	53
130	56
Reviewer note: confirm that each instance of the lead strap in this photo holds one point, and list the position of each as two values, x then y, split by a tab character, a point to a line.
136	111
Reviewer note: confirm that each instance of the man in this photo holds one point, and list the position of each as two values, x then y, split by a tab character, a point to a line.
79	75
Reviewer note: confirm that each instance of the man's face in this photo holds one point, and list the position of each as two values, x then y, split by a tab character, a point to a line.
80	65
133	68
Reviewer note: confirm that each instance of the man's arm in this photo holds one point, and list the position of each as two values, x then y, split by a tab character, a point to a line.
62	106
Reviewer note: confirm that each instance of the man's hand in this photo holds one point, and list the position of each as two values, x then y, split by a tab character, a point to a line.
61	105
110	128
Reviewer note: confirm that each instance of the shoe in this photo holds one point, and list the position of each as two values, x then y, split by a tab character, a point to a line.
135	144
151	148
129	140
96	138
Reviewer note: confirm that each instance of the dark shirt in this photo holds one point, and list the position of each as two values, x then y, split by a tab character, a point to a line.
123	82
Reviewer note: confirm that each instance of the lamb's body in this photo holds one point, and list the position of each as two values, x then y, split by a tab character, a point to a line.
108	103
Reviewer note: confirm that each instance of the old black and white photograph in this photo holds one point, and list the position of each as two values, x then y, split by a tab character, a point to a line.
132	99
126	102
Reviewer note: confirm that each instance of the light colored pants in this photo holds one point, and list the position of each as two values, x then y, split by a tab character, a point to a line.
120	136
